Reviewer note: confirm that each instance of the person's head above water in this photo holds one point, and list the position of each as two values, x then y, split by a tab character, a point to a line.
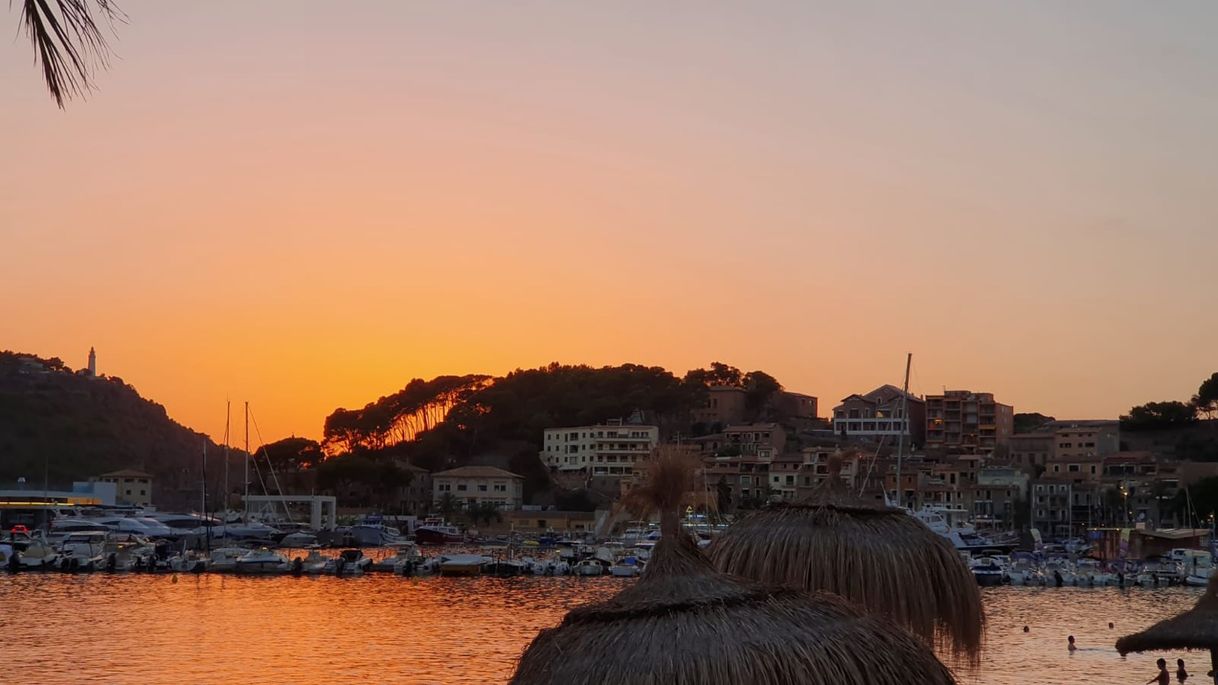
1110	624
1070	639
1161	663
1180	663
1025	629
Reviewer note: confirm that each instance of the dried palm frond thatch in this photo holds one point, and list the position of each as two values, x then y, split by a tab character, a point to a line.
68	42
685	623
1196	628
879	557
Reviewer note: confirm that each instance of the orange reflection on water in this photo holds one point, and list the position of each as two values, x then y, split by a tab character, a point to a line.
149	630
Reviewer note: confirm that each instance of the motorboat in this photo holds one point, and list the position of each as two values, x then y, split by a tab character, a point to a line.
261	560
589	567
122	551
403	553
349	562
503	568
63	526
1199	577
246	530
298	540
83	551
626	568
188	562
437	532
224	559
951	522
1023	571
371	532
461	564
987	571
1090	573
35	554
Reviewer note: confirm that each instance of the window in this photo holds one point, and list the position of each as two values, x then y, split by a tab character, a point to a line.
499	487
482	488
143	493
1073	468
461	488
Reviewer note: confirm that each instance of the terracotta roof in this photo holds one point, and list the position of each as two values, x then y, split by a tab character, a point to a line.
476	472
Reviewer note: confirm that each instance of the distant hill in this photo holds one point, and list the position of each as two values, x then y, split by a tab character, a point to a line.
75	427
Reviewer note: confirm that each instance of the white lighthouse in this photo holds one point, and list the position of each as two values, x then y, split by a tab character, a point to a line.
92	363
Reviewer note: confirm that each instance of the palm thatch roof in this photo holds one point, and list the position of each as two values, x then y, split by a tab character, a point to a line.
685	623
877	556
1196	628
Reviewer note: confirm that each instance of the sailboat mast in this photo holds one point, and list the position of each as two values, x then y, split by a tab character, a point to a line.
904	426
228	413
207	517
247	461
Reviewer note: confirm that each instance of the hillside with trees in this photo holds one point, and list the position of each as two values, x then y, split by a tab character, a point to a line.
452	421
62	425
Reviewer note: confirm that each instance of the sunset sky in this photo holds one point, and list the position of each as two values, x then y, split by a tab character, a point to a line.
305	204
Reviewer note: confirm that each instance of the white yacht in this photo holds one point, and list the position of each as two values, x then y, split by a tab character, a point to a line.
952	522
589	567
261	560
83	551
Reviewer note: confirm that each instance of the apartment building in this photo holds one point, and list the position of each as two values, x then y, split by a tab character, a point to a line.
967	422
1030	450
1085	438
611	449
879	415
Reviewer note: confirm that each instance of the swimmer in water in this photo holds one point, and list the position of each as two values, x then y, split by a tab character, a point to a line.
1070	641
1110	625
1162	677
1025	629
1181	672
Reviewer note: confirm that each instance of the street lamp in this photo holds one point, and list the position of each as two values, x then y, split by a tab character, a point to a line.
1125	501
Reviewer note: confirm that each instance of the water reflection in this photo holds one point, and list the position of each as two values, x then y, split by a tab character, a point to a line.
225	629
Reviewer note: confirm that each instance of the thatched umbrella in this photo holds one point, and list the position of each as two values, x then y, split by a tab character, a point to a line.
1196	628
685	623
877	556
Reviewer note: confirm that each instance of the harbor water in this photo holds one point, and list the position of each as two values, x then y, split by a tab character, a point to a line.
153	629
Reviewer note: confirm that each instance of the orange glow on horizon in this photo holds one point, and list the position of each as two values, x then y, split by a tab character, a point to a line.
309	217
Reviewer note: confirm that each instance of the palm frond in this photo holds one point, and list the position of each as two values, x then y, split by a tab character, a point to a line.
68	42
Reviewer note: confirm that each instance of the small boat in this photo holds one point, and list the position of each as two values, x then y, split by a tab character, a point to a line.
298	540
589	567
625	569
405	553
987	571
349	562
261	561
437	532
503	568
461	565
83	552
224	559
37	556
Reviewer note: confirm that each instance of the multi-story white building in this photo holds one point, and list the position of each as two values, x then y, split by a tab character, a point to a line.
472	485
611	449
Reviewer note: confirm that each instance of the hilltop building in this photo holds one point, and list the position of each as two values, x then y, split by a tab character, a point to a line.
576	454
877	415
967	422
1085	438
92	372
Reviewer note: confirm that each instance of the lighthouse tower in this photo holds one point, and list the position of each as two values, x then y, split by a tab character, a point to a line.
92	363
